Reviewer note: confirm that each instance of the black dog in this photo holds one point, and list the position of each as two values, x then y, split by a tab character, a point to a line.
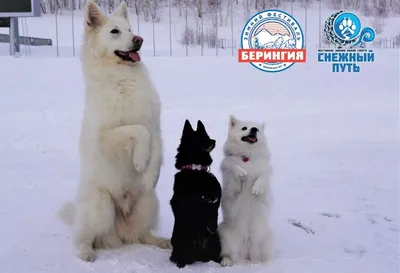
196	199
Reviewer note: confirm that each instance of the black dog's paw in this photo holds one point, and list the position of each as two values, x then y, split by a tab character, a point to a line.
181	264
218	259
211	230
210	199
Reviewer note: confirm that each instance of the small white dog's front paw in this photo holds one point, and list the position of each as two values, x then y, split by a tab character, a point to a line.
141	156
226	261
240	172
87	255
257	189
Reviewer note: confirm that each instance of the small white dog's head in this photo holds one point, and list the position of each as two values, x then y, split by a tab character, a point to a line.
245	138
111	38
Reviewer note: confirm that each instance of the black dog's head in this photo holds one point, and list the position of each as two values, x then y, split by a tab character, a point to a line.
195	146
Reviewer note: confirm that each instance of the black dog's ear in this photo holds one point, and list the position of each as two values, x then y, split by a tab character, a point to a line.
187	129
200	128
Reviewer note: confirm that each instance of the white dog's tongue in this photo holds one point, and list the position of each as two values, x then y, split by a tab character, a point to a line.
134	56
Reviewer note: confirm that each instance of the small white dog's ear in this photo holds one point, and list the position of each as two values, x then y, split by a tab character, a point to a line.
122	11
232	121
94	17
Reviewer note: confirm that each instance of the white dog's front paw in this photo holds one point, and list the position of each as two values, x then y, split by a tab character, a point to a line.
148	182
141	156
164	243
226	261
87	255
240	172
257	189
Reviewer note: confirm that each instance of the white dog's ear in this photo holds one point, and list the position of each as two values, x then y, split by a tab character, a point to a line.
94	17
122	11
232	121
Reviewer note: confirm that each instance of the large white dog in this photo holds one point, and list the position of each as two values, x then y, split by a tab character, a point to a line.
120	143
246	171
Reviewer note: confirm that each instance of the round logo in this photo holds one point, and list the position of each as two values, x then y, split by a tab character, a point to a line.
343	29
347	26
272	29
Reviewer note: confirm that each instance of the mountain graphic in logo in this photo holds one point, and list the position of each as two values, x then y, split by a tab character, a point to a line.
272	36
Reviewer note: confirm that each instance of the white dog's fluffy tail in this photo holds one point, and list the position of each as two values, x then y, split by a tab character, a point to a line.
67	213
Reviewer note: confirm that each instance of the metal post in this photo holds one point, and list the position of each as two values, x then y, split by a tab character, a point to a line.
138	22
232	27
291	7
56	13
320	29
202	27
154	38
216	30
14	37
305	26
246	11
17	44
186	27
73	33
170	28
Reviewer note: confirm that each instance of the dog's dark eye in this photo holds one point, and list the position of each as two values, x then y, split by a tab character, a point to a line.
114	31
244	128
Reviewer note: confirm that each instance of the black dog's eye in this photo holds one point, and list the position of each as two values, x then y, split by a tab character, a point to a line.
244	128
114	31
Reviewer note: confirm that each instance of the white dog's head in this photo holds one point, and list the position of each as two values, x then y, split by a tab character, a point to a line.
245	138
111	38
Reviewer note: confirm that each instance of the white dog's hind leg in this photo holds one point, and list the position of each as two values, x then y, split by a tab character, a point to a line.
267	245
95	217
229	244
261	249
226	261
133	140
261	243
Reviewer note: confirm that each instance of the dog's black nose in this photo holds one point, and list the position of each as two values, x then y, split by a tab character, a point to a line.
253	130
137	42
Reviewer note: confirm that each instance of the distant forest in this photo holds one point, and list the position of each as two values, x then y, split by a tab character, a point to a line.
150	9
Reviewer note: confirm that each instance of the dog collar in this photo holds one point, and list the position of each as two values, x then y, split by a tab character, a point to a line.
245	158
196	167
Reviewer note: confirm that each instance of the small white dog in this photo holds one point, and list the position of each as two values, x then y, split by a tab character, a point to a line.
246	171
120	142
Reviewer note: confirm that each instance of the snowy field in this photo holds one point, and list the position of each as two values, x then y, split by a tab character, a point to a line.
333	137
334	140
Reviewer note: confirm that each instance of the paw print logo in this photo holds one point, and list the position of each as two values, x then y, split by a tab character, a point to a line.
347	26
343	30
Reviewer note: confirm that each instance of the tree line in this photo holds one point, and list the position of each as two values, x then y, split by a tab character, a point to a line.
150	9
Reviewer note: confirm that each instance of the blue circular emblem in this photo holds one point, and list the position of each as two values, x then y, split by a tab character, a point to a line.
347	26
343	29
272	29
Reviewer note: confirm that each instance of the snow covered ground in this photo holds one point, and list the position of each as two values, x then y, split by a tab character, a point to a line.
333	137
